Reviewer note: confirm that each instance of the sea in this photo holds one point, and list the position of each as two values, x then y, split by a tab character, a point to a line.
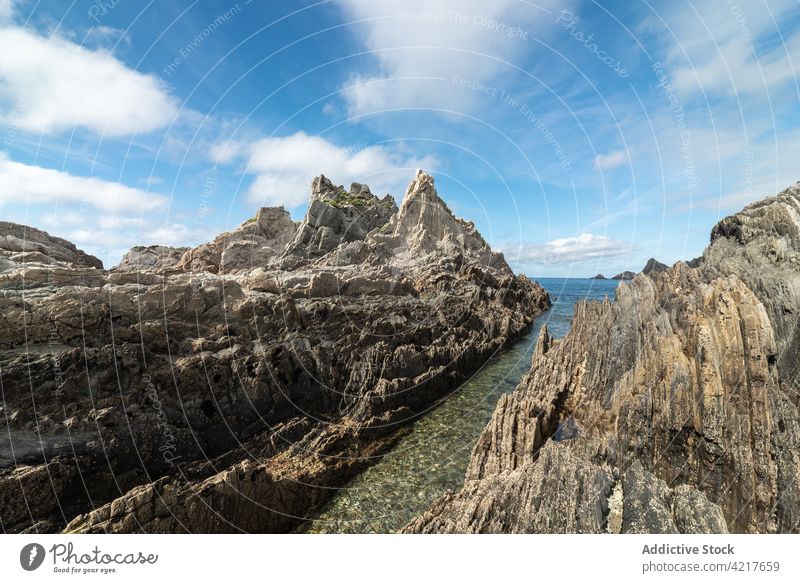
432	457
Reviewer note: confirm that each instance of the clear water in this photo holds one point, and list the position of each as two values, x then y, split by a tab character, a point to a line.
432	458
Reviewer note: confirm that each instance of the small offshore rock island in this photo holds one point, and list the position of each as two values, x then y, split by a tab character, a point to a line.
232	387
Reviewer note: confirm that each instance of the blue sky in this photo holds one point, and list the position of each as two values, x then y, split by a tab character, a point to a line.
579	136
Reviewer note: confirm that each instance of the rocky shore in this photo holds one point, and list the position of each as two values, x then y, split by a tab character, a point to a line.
232	387
673	409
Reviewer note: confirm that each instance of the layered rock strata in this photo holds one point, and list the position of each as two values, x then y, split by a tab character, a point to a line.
684	394
232	387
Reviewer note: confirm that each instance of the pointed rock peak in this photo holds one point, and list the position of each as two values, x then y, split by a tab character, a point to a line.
426	224
422	206
326	195
422	189
543	343
654	267
321	187
336	216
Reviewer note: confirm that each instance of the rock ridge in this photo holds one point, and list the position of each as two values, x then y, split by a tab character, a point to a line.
684	391
233	386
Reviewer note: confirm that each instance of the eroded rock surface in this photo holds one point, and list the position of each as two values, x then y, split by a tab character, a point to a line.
233	389
684	392
254	244
654	266
154	258
20	244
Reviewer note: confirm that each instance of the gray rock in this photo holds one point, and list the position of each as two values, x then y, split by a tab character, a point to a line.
254	244
336	216
684	387
234	390
654	267
21	244
154	258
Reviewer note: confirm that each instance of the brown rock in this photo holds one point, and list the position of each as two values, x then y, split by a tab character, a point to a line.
288	370
683	390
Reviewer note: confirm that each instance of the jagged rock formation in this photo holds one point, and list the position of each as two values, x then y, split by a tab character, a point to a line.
25	245
696	262
234	389
761	245
30	258
624	276
599	276
336	216
683	391
254	244
654	267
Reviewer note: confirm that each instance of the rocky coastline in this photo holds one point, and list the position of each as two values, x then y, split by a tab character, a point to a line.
231	387
680	397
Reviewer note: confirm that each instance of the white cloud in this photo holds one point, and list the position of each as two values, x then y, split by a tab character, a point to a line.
284	167
51	84
111	236
585	246
6	11
106	36
610	160
730	48
21	183
420	45
225	152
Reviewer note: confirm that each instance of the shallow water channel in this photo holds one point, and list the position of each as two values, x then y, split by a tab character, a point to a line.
432	458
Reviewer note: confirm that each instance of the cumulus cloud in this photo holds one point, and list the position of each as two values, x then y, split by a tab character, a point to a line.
421	44
22	183
110	236
284	167
583	247
610	160
49	84
728	47
225	152
6	10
